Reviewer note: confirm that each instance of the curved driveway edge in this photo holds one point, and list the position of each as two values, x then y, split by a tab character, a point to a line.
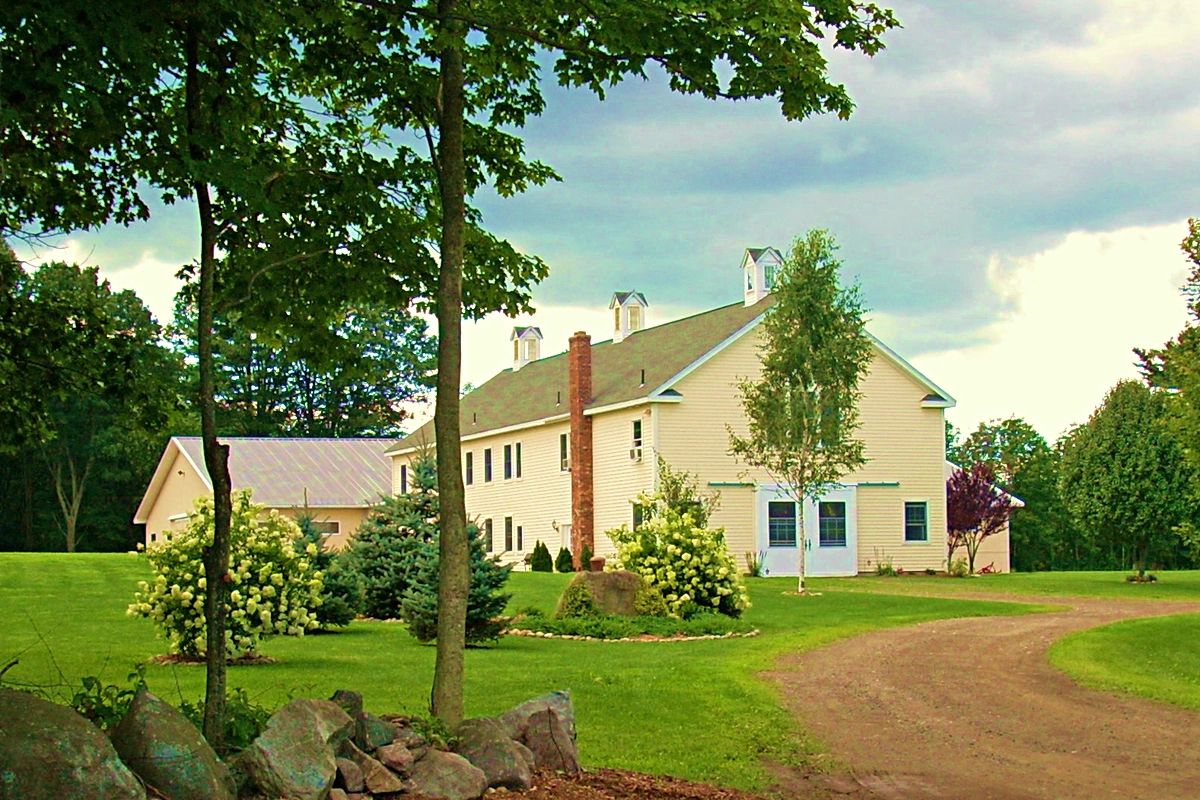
971	708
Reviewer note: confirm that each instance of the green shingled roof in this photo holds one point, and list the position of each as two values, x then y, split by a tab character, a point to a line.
539	389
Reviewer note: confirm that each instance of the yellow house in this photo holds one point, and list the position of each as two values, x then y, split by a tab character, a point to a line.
557	449
337	480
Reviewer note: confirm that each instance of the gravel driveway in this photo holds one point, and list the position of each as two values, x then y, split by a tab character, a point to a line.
972	709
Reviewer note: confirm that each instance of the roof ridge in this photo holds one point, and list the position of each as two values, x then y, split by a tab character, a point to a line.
192	437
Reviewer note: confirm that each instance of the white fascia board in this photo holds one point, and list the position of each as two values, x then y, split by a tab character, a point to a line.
704	359
637	401
522	426
916	374
142	515
202	474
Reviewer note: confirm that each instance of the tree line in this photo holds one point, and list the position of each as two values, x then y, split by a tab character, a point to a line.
95	386
1122	489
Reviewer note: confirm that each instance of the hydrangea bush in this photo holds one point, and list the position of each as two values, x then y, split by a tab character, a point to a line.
273	588
689	564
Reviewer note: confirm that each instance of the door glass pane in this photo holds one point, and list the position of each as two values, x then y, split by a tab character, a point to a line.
831	520
781	524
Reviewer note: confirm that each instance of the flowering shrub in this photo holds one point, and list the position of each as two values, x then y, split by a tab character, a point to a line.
272	590
689	565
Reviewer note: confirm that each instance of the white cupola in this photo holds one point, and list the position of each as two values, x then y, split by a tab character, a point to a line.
759	267
527	345
629	313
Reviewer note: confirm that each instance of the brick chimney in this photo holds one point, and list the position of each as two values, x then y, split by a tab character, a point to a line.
579	369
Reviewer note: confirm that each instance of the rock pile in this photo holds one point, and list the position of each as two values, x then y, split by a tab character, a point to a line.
310	750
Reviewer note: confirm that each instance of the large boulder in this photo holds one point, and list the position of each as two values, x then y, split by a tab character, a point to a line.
612	592
552	745
294	755
516	720
486	744
447	775
166	751
47	751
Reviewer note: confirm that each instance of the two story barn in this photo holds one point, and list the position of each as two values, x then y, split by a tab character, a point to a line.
557	449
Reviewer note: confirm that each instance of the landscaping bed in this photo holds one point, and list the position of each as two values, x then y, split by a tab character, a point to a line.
640	628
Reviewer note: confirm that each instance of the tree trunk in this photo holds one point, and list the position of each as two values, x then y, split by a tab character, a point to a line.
454	577
70	498
27	506
801	545
216	455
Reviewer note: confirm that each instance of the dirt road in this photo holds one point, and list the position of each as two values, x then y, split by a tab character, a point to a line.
972	709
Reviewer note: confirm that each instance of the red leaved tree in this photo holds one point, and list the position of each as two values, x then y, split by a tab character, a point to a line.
975	510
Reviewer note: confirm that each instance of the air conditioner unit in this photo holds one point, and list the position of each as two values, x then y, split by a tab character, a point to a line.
565	465
635	454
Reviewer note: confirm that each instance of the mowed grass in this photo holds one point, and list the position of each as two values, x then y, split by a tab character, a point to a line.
697	710
1171	585
1158	658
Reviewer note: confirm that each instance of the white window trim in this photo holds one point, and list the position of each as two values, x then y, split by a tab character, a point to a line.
904	540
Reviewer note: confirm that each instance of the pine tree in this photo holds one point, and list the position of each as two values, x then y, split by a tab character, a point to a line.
563	562
387	546
485	603
540	560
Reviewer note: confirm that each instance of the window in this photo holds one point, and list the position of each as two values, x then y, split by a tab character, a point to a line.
516	349
564	455
404	479
769	274
508	462
487	534
518	461
617	318
154	537
781	523
487	465
326	527
520	538
831	524
750	279
916	521
637	433
635	318
639	515
470	468
508	534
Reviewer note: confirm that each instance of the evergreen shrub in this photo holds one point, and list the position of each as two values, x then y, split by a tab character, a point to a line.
540	560
563	562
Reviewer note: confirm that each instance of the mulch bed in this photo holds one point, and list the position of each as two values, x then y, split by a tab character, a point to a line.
612	784
247	660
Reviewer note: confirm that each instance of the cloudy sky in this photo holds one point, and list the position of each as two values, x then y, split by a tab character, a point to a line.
1010	193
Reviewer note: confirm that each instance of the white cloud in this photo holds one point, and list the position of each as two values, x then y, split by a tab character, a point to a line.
1077	311
150	277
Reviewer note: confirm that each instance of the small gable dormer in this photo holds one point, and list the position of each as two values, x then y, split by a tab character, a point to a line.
527	345
629	313
759	267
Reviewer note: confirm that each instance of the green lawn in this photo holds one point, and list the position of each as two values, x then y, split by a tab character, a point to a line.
696	710
1157	658
1177	585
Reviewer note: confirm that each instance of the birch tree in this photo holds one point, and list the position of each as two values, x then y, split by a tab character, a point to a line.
802	409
